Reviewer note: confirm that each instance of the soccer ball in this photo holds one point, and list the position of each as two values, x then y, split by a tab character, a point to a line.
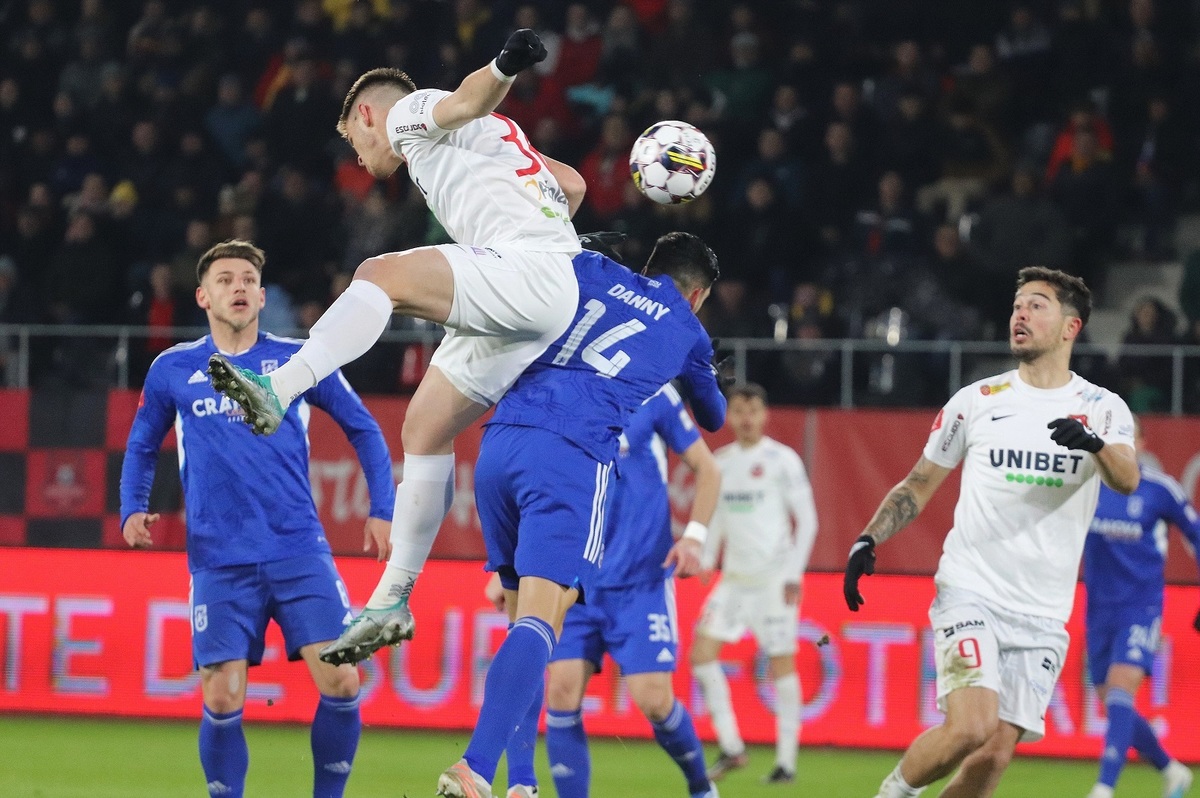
672	162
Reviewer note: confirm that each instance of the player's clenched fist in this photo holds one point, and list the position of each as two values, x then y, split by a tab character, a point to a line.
137	529
522	50
1071	433
862	561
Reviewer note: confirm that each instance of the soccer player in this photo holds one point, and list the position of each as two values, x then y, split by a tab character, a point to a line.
541	480
1123	561
1035	443
768	523
505	291
256	549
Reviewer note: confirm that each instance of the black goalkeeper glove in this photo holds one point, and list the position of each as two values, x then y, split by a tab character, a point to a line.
522	50
862	561
722	368
603	242
1071	433
1196	622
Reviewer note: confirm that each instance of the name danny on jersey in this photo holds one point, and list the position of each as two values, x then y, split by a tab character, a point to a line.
652	308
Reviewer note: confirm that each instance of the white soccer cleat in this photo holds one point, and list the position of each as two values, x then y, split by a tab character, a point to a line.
370	631
1177	780
523	791
459	781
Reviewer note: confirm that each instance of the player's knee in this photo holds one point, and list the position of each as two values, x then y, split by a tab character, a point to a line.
563	696
341	682
654	702
969	734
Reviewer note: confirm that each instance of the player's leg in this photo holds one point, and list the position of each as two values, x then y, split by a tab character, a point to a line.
981	770
522	778
337	723
719	624
566	740
782	669
674	730
223	752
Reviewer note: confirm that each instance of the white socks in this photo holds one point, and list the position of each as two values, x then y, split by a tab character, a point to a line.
894	786
423	498
344	333
787	721
715	687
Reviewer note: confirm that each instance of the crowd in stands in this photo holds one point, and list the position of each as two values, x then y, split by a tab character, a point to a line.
883	164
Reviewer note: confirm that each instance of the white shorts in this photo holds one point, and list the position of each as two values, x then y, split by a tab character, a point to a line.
977	644
732	608
509	306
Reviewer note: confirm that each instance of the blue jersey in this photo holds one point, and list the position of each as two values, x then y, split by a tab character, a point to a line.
639	536
1126	546
248	498
630	335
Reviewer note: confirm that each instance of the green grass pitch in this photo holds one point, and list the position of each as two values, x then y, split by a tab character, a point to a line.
73	758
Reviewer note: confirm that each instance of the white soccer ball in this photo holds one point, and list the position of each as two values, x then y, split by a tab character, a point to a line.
672	162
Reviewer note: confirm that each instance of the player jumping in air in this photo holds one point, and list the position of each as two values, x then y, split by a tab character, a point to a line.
505	291
541	481
1123	563
1035	443
256	550
767	521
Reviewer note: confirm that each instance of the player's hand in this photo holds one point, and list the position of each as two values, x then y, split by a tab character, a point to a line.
723	368
685	557
137	529
493	591
380	532
791	593
522	50
862	561
1071	433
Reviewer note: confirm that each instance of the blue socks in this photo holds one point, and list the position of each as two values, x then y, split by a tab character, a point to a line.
335	731
1146	743
677	736
567	748
1119	706
223	753
515	676
519	751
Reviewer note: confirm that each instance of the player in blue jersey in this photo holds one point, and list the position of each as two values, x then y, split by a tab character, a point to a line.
1123	561
256	549
541	480
630	612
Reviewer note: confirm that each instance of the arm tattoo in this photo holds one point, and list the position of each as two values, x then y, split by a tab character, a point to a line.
899	507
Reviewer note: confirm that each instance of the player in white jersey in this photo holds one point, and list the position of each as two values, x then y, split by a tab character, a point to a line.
1034	443
767	522
504	291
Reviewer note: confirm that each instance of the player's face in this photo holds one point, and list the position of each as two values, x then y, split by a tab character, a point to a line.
232	293
1038	323
747	416
366	134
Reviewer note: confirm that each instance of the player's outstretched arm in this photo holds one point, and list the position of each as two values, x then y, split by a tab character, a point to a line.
700	386
903	503
570	181
154	418
481	92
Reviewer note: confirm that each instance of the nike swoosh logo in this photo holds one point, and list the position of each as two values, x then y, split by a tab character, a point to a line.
997	418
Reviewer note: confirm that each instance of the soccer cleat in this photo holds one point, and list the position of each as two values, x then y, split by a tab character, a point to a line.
726	763
779	775
523	791
369	632
460	781
253	392
1177	780
711	792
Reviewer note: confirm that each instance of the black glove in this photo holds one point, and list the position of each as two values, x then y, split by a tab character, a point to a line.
522	50
603	242
1071	433
862	561
1196	622
722	368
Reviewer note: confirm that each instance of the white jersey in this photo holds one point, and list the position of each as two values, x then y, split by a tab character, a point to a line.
1025	503
766	516
484	182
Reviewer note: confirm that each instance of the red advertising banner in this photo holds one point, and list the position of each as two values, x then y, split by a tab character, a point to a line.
113	639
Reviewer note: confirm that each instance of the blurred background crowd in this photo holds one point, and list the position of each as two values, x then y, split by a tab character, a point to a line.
880	162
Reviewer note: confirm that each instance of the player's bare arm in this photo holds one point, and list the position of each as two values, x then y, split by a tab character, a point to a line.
906	500
685	555
482	91
1118	467
570	181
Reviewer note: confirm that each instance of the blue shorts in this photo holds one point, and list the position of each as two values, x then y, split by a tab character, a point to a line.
1121	635
541	502
231	607
636	624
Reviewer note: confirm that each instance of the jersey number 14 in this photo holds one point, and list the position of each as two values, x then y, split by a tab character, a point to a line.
592	353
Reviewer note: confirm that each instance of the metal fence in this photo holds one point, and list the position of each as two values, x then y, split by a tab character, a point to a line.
107	353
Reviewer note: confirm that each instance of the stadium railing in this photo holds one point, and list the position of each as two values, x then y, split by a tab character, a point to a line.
25	347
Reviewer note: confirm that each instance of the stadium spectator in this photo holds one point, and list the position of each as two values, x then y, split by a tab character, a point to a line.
581	47
1160	157
1146	380
842	174
1085	189
973	157
888	227
231	120
909	142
